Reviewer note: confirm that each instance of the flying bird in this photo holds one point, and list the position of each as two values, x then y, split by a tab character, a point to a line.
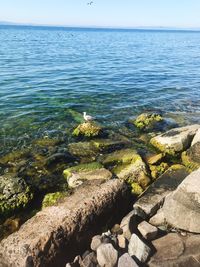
90	3
87	118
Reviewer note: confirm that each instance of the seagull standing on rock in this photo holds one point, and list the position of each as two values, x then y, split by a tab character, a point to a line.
87	118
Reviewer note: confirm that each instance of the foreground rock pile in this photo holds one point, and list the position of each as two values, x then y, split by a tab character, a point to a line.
85	188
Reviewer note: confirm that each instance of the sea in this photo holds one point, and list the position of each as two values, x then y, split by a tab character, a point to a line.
50	75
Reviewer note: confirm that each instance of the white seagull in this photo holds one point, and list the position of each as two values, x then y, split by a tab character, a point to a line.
87	117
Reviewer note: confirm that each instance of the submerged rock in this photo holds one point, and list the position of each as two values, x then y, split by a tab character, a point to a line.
86	151
91	171
88	129
191	157
14	194
108	145
182	207
147	121
175	140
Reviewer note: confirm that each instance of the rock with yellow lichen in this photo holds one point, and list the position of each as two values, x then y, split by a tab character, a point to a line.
147	121
88	129
191	157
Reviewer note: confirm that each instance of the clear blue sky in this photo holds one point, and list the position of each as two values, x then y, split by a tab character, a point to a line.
114	13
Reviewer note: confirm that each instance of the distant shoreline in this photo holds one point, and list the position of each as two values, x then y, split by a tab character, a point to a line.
164	29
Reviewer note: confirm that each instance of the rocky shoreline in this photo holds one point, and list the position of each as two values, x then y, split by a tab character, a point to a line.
90	184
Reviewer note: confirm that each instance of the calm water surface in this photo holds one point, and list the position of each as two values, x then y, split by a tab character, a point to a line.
49	75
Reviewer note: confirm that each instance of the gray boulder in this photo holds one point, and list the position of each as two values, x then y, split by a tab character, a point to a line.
147	230
175	140
182	207
196	138
138	249
107	255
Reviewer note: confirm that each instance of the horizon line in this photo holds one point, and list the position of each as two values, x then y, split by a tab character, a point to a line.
9	23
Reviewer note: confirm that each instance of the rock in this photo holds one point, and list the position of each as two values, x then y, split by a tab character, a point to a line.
136	189
122	242
58	232
11	225
107	256
126	261
88	129
147	121
108	145
14	194
96	242
191	157
116	229
138	249
196	138
128	165
158	219
58	158
90	260
147	230
154	196
155	159
182	207
51	199
175	140
129	224
174	250
86	151
91	171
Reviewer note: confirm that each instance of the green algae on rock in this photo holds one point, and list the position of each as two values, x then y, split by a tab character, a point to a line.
88	129
147	120
158	170
91	171
191	157
108	145
52	198
86	151
127	164
136	189
14	194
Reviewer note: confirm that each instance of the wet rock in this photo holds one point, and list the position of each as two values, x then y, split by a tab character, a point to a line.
148	121
88	129
136	189
14	194
107	255
191	157
182	207
147	230
154	196
108	145
196	138
155	159
86	151
175	140
128	165
174	250
58	232
126	261
58	158
91	171
138	249
129	224
47	142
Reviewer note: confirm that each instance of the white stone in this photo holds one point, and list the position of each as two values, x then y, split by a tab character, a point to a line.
147	230
196	138
138	249
107	255
126	261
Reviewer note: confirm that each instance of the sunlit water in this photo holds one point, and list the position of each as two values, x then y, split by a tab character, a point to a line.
48	74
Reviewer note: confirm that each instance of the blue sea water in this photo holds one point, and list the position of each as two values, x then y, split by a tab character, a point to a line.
48	75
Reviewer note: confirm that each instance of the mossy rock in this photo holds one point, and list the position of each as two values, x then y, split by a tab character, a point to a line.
46	142
15	194
86	151
147	121
82	168
52	199
191	157
15	156
108	145
155	159
88	129
158	170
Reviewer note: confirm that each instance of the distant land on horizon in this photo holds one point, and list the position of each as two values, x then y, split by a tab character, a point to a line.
9	23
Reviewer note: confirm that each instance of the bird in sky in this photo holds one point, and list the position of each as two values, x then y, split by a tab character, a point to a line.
90	3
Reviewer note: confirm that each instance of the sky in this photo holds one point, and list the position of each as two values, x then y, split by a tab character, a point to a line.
103	13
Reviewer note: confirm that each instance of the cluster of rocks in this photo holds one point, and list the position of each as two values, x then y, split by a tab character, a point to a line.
163	228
